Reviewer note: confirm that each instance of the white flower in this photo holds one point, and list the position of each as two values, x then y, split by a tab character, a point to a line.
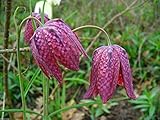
55	2
47	8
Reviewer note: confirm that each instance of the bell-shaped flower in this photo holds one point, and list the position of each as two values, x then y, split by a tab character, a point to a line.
29	29
110	66
55	44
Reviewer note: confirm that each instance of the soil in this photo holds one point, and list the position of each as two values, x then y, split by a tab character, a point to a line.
123	111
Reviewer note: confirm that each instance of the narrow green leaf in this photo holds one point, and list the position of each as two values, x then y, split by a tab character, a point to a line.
31	81
63	94
98	112
139	101
77	80
19	110
105	109
141	106
152	111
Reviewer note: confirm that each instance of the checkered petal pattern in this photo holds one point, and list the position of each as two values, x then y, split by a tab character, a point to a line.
55	44
110	66
29	29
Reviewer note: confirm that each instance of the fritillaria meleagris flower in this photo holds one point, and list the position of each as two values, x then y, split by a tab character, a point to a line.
55	44
29	29
110	66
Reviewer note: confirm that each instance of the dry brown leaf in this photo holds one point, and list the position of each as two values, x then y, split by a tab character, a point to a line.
103	118
67	115
39	102
18	116
79	115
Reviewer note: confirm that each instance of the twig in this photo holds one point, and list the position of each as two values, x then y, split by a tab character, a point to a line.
3	107
141	4
40	112
125	3
110	21
51	96
25	49
5	64
11	56
9	62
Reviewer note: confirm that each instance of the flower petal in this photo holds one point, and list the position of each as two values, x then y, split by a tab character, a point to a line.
28	32
120	79
61	46
108	73
59	24
44	58
126	71
93	76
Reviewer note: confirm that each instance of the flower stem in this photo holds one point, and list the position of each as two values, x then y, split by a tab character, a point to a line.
45	81
42	13
96	27
18	30
29	17
45	98
30	9
20	77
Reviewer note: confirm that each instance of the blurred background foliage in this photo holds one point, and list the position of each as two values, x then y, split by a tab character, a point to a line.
138	31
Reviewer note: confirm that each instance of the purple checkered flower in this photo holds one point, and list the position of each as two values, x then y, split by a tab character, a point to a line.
29	31
55	44
110	66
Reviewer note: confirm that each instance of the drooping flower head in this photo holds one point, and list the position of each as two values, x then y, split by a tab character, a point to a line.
55	44
110	66
29	29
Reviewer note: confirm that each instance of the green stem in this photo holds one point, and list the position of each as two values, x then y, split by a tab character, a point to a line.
18	31
45	98
20	110
96	27
20	76
45	81
19	68
42	13
30	7
29	17
63	98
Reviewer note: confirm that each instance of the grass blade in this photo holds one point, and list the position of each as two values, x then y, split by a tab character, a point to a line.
31	81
